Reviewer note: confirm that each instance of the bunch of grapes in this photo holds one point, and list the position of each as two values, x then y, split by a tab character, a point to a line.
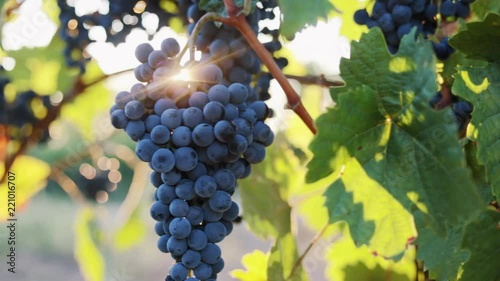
461	109
227	48
20	116
396	18
199	137
118	20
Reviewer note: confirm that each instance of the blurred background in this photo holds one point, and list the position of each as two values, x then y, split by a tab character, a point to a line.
84	197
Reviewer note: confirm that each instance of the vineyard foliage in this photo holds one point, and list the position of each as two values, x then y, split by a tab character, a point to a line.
390	185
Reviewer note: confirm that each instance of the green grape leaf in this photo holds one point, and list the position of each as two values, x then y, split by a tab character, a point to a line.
481	40
131	233
89	106
296	16
383	121
349	28
360	263
442	256
480	86
87	254
478	171
26	184
482	239
41	69
375	217
264	194
255	264
481	8
282	260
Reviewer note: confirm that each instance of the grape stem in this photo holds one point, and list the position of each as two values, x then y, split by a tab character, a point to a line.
239	22
314	80
313	242
38	128
445	97
196	31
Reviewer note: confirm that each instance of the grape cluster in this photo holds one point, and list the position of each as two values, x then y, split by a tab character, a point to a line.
227	48
396	18
19	116
461	109
198	137
118	21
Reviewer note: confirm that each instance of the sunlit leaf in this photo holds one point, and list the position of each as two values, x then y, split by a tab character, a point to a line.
480	86
481	8
131	233
282	260
350	263
296	17
383	121
87	254
28	175
255	264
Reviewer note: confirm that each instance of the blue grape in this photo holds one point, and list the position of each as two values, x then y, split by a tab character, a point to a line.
198	99
163	160
224	131
217	152
462	9
255	153
186	159
123	98
447	9
135	129
203	271
249	114
179	272
197	240
225	179
203	135
199	170
219	48
261	110
220	201
172	177
171	118
160	134
418	6
181	136
180	228
261	132
159	230
379	9
219	93
243	126
192	116
386	22
170	47
191	259
213	111
231	112
205	186
142	52
145	149
156	58
401	14
211	253
151	122
361	17
210	215
118	119
166	193
228	225
155	179
238	168
159	211
178	208
162	243
216	232
232	213
238	144
218	266
238	93
163	104
185	190
138	91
